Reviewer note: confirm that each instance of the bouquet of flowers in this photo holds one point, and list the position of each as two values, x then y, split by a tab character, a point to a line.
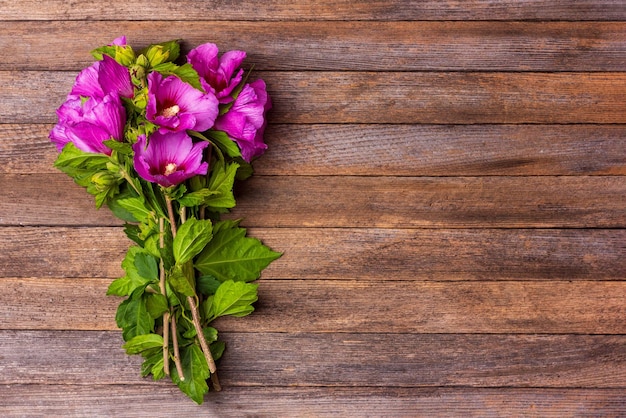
161	143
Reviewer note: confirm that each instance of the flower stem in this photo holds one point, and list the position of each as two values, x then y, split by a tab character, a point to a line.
194	312
170	213
205	347
179	366
166	315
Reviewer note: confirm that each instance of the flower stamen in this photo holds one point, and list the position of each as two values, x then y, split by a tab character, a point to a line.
170	168
171	111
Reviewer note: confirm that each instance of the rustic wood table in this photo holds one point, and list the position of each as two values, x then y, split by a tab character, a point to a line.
447	181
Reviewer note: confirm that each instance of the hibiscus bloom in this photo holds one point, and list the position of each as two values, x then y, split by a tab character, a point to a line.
87	125
245	120
216	75
169	159
175	106
103	78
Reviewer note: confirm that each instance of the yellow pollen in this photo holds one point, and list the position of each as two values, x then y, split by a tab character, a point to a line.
170	111
169	169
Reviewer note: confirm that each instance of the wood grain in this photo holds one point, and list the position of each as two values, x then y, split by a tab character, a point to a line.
382	202
372	360
391	150
345	46
348	253
373	97
392	202
161	401
292	306
333	10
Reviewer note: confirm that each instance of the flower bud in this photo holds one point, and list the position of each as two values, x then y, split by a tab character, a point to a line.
103	180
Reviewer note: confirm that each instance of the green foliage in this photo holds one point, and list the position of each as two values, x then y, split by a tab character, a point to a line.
195	371
133	316
231	298
230	255
191	238
142	343
141	269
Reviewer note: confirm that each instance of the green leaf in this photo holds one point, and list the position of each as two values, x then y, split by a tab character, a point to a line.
207	285
195	198
136	206
221	182
141	269
233	298
230	255
133	317
132	232
191	238
72	161
186	73
121	147
223	141
182	280
196	372
146	266
156	304
153	364
120	212
141	343
217	349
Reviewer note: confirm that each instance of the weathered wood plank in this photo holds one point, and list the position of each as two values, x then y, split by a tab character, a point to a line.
408	46
363	254
396	150
337	359
333	10
157	401
373	97
343	201
339	201
293	306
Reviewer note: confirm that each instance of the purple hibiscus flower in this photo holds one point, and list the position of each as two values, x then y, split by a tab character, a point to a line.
216	75
169	159
175	106
245	120
89	124
103	78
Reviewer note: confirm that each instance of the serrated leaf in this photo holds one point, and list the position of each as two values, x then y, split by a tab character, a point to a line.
196	372
153	364
140	268
196	198
135	206
185	72
121	147
156	304
217	349
233	298
230	255
133	317
191	238
141	343
73	160
181	281
221	182
223	141
132	232
207	285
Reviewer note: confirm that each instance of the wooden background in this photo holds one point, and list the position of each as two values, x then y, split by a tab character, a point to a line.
447	181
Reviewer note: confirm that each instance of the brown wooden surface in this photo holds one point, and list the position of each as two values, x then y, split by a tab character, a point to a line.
447	181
